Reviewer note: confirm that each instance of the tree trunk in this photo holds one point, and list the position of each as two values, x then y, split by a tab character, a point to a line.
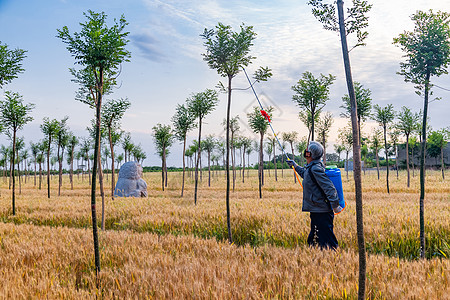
356	157
198	159
102	190
184	165
346	164
232	160
442	162
275	160
162	168
94	172
422	168
71	167
378	163
293	158
324	150
412	161
35	171
40	175
60	158
48	166
209	168
260	167
407	160
113	178
228	161
387	158
13	175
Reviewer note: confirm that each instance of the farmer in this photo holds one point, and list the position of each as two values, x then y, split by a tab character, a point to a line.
320	197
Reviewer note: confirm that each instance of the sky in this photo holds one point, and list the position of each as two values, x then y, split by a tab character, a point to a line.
167	67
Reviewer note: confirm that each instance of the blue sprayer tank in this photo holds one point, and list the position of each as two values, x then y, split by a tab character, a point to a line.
335	176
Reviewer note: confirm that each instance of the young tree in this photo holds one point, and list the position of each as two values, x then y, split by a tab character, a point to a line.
375	145
72	143
49	128
407	123
436	144
208	144
354	23
301	147
200	105
273	141
127	145
323	129
384	116
61	140
306	118
41	159
112	113
228	52
346	138
394	135
14	114
34	152
163	137
363	104
427	52
99	49
311	94
183	121
10	63
259	124
290	138
339	148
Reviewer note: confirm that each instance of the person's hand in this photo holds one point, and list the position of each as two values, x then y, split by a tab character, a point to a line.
338	209
291	163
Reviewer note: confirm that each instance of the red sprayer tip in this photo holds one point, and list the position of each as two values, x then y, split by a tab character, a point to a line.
265	115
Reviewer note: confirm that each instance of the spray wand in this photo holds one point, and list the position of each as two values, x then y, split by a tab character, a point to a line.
266	115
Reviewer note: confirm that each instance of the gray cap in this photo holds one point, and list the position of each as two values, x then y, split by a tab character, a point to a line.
316	149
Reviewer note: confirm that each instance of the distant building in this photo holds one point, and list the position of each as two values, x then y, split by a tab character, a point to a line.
429	161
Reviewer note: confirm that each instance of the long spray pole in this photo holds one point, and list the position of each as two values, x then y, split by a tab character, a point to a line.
270	124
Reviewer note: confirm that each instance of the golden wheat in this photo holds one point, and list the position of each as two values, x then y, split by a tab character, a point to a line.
57	262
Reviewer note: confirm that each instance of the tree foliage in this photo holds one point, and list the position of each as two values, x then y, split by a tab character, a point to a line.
10	63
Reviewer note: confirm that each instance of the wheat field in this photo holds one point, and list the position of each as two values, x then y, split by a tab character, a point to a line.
165	247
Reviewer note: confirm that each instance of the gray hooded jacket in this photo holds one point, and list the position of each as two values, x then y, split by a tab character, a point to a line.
313	198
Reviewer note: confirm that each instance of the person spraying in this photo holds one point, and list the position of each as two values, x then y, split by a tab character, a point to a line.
320	197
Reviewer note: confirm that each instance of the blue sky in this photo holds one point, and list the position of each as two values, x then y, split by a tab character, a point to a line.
166	64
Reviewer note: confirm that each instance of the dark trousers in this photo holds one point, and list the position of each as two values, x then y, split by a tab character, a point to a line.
322	234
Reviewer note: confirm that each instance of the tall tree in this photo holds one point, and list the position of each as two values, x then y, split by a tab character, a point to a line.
99	49
14	114
323	130
363	104
311	94
291	138
10	63
427	53
183	121
259	124
384	116
227	52
301	147
163	138
112	113
407	122
354	23
200	105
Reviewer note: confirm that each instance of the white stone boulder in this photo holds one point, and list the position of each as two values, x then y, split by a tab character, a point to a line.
130	182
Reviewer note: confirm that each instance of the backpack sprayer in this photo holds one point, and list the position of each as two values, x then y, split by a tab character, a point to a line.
266	115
